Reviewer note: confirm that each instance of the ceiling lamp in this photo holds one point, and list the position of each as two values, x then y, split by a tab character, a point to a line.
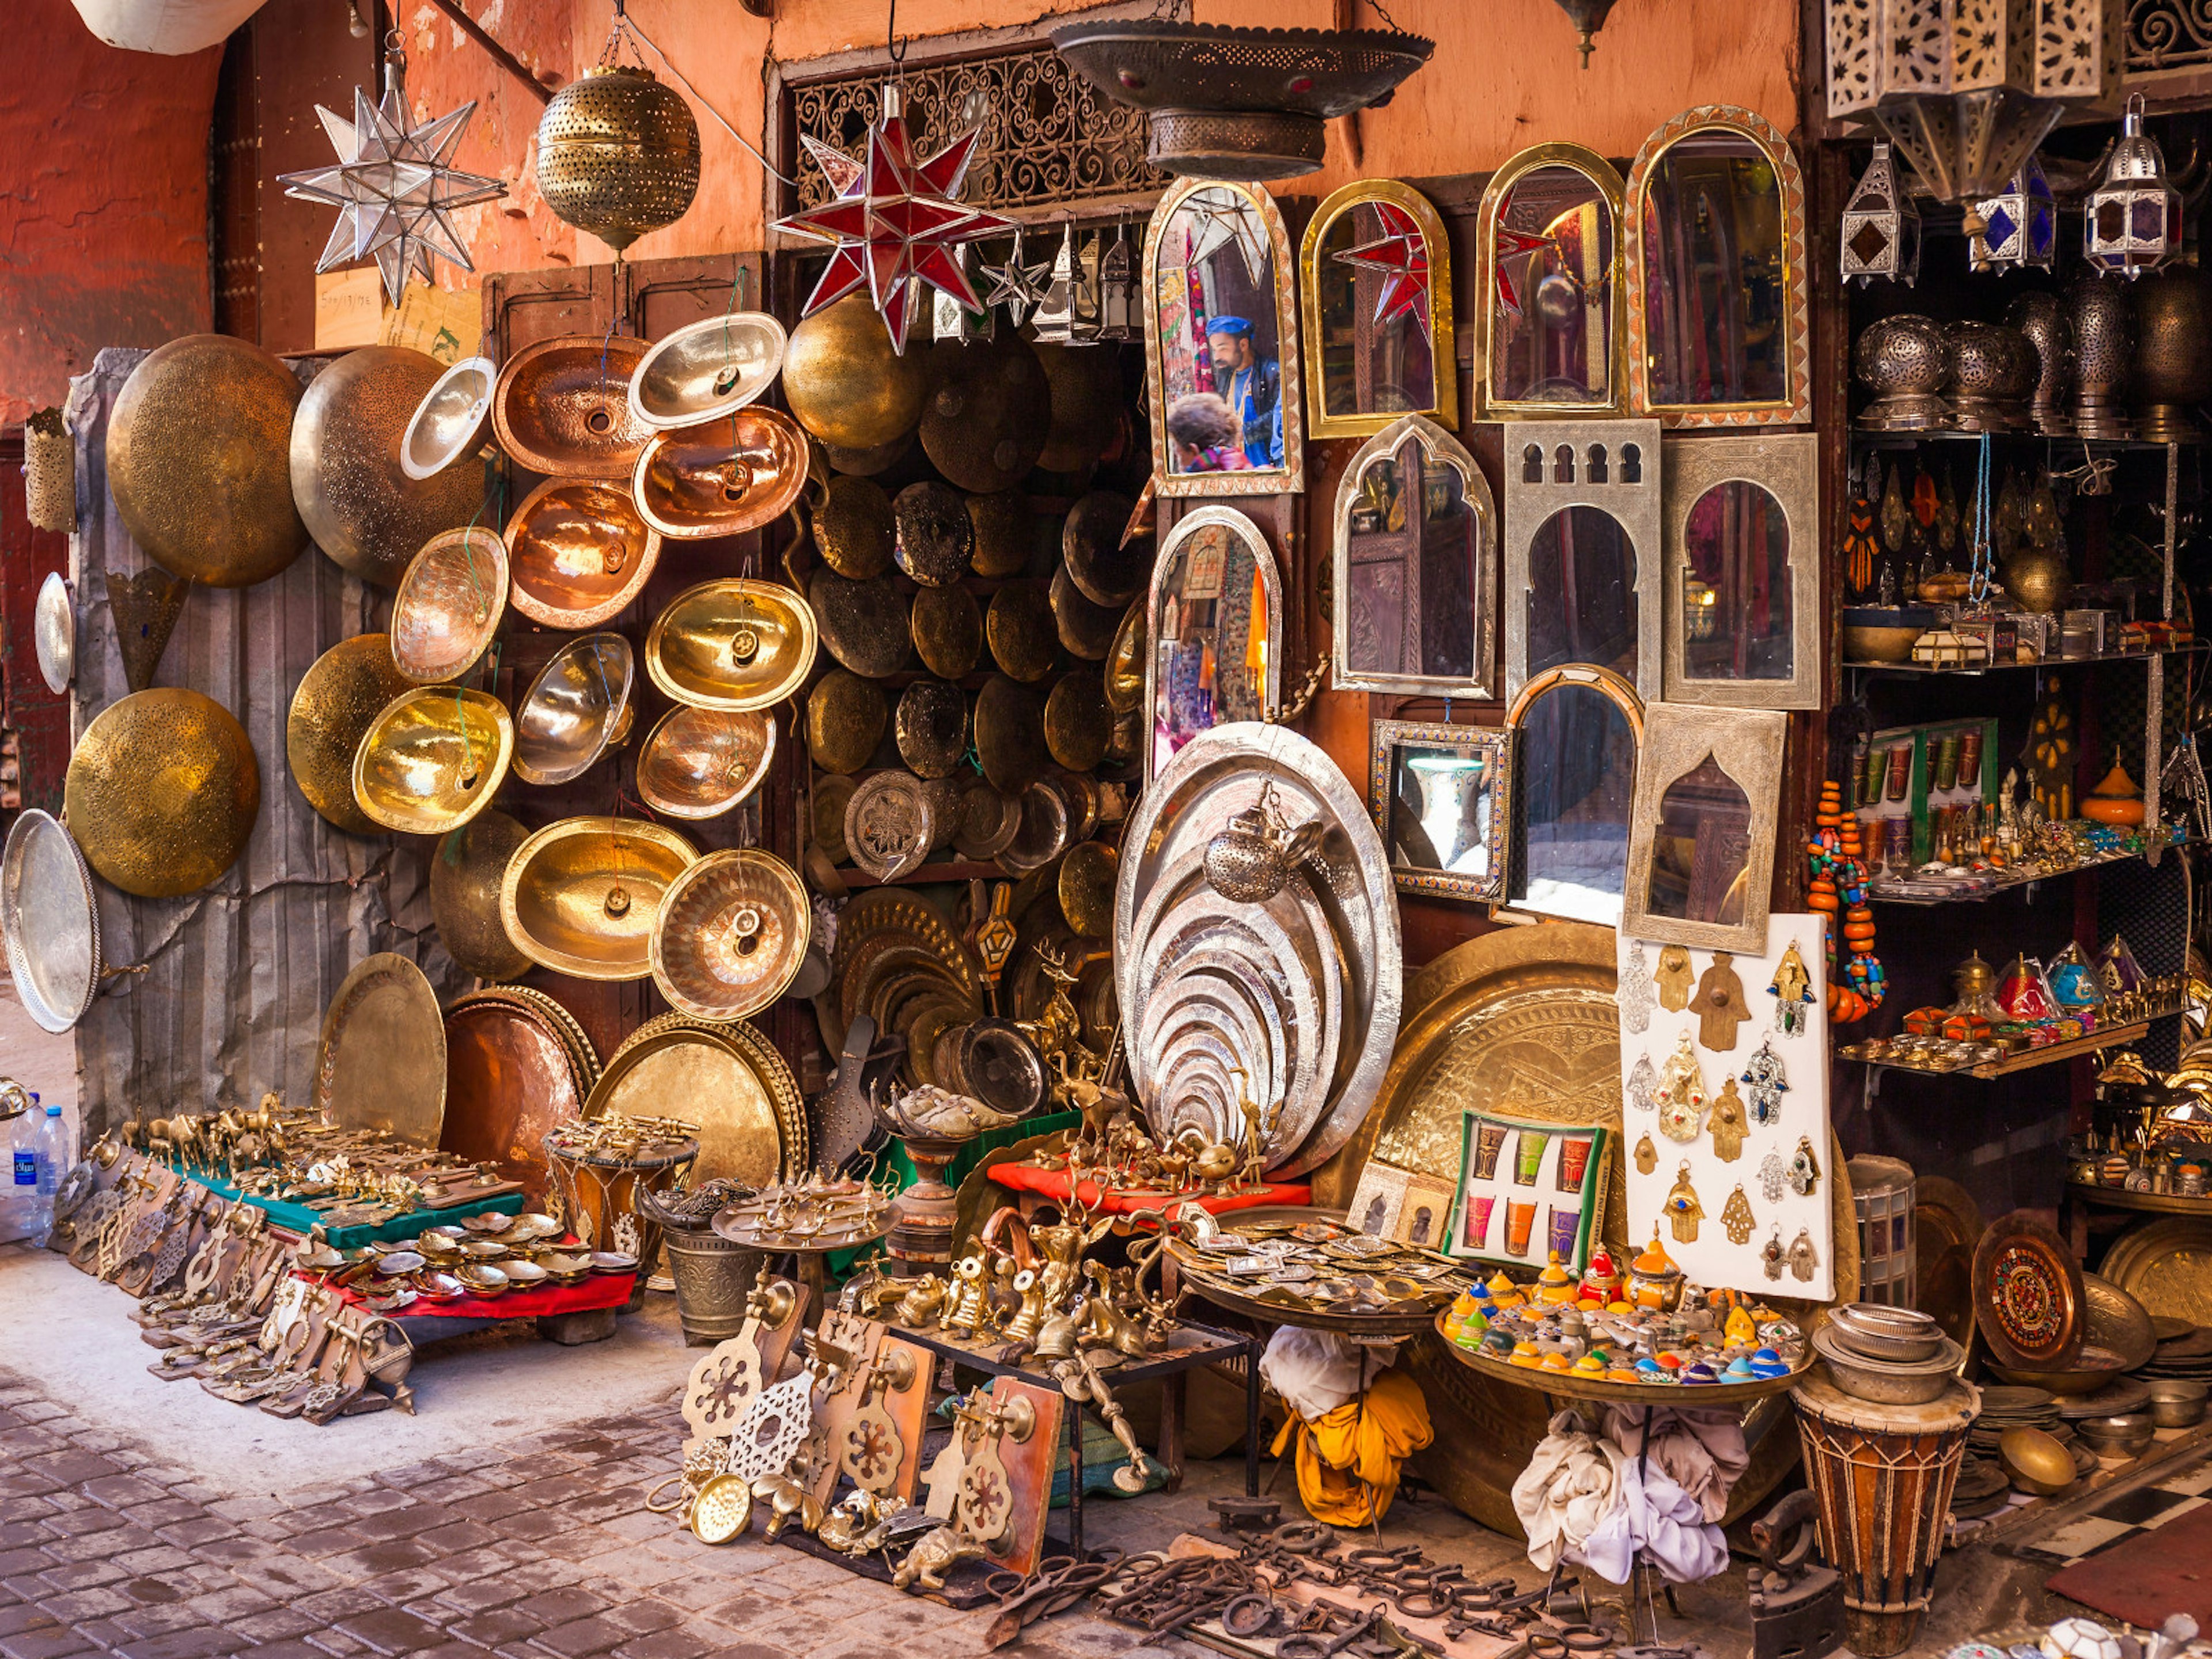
2018	227
1589	17
1881	228
2134	222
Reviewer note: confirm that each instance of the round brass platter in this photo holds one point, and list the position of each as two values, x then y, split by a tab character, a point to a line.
199	460
845	383
845	717
357	501
577	709
433	759
706	369
1125	662
1077	722
931	727
1044	832
867	463
989	821
161	792
465	873
1009	734
731	933
338	700
732	643
563	406
723	476
1091	541
934	537
988	412
510	1077
854	528
381	1063
578	552
713	1076
1087	629
450	424
947	625
1086	405
1086	889
833	793
1005	526
449	606
700	762
579	897
1019	627
864	624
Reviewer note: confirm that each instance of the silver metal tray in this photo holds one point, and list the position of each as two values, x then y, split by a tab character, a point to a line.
51	917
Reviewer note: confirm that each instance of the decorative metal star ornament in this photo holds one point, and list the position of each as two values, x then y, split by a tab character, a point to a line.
1511	245
896	219
1017	287
1400	254
1221	216
394	189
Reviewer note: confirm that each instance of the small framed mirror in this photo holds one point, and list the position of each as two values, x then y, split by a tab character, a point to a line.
1441	796
1376	270
1701	857
1575	732
1221	344
1416	547
1715	274
1548	294
1214	622
1743	580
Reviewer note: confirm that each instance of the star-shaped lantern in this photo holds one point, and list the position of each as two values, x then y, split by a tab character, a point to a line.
393	185
1220	216
1400	254
895	217
1017	287
1511	243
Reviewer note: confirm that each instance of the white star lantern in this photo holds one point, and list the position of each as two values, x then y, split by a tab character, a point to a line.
394	189
1019	288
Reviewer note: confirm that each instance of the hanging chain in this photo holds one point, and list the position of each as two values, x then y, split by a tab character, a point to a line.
1384	12
1977	587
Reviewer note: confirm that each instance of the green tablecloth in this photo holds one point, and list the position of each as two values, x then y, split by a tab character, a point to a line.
299	1219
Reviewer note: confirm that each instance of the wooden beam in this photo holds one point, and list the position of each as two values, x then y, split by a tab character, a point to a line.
499	54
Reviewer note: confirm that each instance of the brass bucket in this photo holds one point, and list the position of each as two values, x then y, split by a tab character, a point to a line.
713	1279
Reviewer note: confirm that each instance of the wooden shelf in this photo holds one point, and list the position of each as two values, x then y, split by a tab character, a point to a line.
2048	662
2119	1198
2011	881
2112	1037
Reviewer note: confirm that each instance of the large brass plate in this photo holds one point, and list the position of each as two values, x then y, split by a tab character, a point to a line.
700	762
846	384
988	412
509	1078
734	643
338	699
2166	1265
947	625
864	624
163	791
433	759
449	605
51	920
853	527
703	1077
563	406
578	552
381	1063
731	933
579	897
723	476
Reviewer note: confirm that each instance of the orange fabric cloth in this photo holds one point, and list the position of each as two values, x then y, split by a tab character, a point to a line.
1348	1460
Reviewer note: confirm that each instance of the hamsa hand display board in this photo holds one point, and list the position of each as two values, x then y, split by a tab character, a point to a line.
1724	1108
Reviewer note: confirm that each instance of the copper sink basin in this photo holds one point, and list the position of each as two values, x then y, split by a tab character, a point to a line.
449	605
731	934
450	424
579	897
577	709
700	762
562	406
706	369
578	552
722	477
433	760
732	644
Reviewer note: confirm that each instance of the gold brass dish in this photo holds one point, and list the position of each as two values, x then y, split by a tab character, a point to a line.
465	873
935	539
2038	1462
845	718
1005	529
523	1275
561	407
700	762
844	382
731	933
853	527
988	413
1106	571
722	477
1009	734
578	552
449	606
1077	722
380	1061
931	727
1085	628
433	759
947	625
1086	881
708	368
867	463
480	1278
577	709
733	644
833	793
338	700
1125	663
161	792
579	896
864	624
450	424
1020	629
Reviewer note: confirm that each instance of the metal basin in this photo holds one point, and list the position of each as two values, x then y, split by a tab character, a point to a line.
51	922
449	605
338	700
562	408
434	760
578	708
578	552
451	422
731	644
721	477
700	762
706	369
579	896
731	933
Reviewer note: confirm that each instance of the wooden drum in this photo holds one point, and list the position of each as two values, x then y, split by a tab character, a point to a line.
1881	1477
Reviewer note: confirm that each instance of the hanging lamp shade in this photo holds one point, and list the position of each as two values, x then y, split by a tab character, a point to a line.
618	153
174	28
2018	224
2134	222
1881	228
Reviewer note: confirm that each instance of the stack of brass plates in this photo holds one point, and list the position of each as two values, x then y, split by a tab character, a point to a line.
516	1064
381	1063
51	920
449	605
433	759
1300	993
579	896
562	407
161	792
700	762
728	1079
577	709
734	644
899	960
579	552
730	935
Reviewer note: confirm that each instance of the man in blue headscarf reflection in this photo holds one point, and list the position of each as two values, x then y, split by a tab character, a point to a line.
1253	386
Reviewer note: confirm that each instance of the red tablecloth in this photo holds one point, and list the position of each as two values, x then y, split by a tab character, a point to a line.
1053	1183
600	1290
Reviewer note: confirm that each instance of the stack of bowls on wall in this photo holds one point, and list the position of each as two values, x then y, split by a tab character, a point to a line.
1892	1356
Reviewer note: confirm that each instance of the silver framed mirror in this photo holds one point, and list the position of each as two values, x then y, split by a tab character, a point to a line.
1549	309
1743	607
1415	558
1374	266
1575	734
1441	796
1701	852
1213	631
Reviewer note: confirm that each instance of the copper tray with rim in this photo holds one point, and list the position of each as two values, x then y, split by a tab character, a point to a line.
510	1076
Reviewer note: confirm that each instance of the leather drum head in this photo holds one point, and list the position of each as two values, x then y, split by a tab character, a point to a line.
864	624
1077	724
433	759
449	606
579	897
338	699
1091	541
947	625
734	643
578	552
844	382
1087	628
562	408
723	476
988	413
1004	525
1019	627
845	719
935	538
731	933
163	791
707	369
854	528
1009	734
931	727
465	873
700	762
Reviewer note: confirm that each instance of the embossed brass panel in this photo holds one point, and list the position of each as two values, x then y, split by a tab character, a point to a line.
563	406
579	896
722	477
449	606
161	792
700	762
732	643
729	934
337	701
433	760
578	551
465	873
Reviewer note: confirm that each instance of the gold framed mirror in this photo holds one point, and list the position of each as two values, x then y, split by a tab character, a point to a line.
1576	732
1701	853
1743	607
1715	273
1214	630
1221	344
1374	265
1549	314
1441	796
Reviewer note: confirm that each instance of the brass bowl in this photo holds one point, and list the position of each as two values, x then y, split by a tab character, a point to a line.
161	792
845	383
465	873
867	626
524	1275
449	606
730	935
198	460
733	644
708	368
722	477
481	1278
988	412
845	719
1125	662
1019	626
338	700
433	759
947	626
561	407
1077	722
357	501
579	897
577	709
935	539
2038	1462
450	424
700	762
854	528
578	552
2117	1436
1004	526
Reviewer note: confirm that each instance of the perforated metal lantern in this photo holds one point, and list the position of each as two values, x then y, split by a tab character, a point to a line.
2134	222
2018	224
617	154
1881	228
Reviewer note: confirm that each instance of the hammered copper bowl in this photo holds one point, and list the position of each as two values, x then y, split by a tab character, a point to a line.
2036	1461
706	369
449	606
465	873
577	709
732	644
579	897
730	935
845	383
161	792
450	423
562	406
338	700
723	476
700	762
578	552
433	759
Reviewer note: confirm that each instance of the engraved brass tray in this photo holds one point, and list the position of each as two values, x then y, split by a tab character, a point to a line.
563	406
579	896
338	699
2166	1265
161	792
578	552
705	1077
381	1062
731	933
700	762
732	643
51	920
722	477
449	606
433	759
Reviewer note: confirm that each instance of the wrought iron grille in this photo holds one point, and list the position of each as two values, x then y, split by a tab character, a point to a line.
1048	138
2165	34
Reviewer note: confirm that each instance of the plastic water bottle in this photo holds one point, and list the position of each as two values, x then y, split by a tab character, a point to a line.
54	1158
19	1185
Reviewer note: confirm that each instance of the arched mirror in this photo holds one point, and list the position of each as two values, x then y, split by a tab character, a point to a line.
1715	274
1441	796
1416	548
1215	628
1575	732
1376	270
1581	549
1701	858
1743	579
1548	293
1221	344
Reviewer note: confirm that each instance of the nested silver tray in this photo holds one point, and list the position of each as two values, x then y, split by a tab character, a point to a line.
51	917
